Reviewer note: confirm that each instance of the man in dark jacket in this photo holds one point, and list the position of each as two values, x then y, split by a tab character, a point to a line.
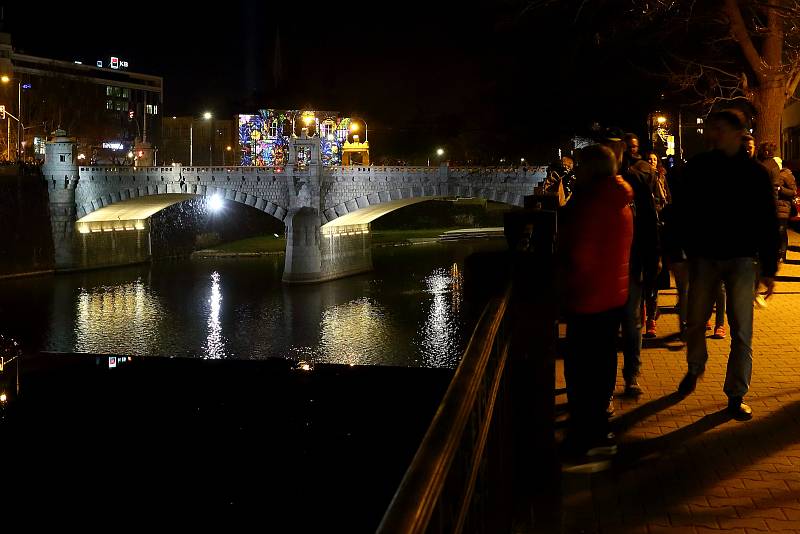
640	175
729	189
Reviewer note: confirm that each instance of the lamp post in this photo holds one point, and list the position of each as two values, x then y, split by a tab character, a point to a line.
439	154
206	116
354	128
6	79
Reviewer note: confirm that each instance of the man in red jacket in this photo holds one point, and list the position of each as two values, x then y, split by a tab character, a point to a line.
595	244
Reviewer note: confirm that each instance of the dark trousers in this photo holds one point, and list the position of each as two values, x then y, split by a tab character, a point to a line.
782	224
590	369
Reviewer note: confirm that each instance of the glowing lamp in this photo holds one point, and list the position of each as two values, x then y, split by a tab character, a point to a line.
439	151
207	115
354	127
5	79
661	120
215	203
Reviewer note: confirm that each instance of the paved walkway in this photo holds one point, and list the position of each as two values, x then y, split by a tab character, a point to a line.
683	465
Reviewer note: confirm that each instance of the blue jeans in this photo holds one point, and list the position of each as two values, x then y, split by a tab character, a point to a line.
739	276
632	331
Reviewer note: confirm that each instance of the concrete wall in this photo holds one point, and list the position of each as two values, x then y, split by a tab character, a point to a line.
345	254
108	249
26	245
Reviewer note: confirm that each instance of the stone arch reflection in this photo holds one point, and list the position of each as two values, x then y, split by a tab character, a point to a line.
119	319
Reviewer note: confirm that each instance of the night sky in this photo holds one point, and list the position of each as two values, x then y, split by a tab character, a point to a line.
484	80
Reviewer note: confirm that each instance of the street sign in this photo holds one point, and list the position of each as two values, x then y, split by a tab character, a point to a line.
114	62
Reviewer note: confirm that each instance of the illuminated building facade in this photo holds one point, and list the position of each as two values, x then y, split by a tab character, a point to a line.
263	139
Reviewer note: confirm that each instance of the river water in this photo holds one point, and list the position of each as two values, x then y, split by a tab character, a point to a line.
408	312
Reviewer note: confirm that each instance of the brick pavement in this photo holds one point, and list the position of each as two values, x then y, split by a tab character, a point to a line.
683	465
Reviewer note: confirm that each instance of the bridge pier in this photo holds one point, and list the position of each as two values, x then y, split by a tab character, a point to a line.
317	255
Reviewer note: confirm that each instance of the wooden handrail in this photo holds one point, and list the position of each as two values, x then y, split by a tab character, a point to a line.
418	493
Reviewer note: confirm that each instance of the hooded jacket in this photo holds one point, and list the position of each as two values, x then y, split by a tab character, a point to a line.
595	244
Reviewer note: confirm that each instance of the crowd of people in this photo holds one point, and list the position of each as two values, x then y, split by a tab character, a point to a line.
717	224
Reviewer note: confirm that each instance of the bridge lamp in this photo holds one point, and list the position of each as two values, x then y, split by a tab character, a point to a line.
440	152
215	203
207	115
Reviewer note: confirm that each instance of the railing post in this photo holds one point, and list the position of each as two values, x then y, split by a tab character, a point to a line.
534	334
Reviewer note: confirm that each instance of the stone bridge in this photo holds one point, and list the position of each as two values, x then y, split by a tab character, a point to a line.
327	210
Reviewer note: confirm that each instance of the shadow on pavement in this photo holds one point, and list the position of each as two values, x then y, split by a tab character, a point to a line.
627	420
653	479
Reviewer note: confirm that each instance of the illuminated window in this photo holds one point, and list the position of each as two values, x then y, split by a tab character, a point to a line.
110	104
149	109
126	93
699	121
109	90
155	109
273	128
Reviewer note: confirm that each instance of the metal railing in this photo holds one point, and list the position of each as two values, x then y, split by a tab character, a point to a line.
452	482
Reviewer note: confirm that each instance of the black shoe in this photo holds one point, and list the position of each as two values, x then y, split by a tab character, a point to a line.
632	388
739	410
688	384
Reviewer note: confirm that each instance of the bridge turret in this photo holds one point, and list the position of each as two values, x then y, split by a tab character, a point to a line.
61	173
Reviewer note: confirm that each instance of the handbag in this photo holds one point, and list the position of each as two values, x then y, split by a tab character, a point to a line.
795	206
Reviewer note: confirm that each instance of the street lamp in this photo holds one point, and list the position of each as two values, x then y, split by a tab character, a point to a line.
227	149
439	153
206	116
354	127
5	79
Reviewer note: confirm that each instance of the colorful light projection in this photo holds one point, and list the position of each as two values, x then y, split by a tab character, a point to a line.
264	137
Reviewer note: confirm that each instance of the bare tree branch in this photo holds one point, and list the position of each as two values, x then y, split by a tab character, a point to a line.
739	32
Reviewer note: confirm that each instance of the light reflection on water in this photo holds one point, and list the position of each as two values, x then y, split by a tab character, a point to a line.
408	312
215	343
125	315
354	333
440	335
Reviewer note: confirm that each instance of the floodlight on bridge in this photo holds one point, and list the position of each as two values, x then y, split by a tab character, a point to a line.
215	203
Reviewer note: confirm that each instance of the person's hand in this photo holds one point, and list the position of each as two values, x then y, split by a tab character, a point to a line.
769	284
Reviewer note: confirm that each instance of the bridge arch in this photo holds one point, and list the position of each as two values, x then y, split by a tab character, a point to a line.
142	203
364	210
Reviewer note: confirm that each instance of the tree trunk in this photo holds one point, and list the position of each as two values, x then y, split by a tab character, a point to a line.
769	100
